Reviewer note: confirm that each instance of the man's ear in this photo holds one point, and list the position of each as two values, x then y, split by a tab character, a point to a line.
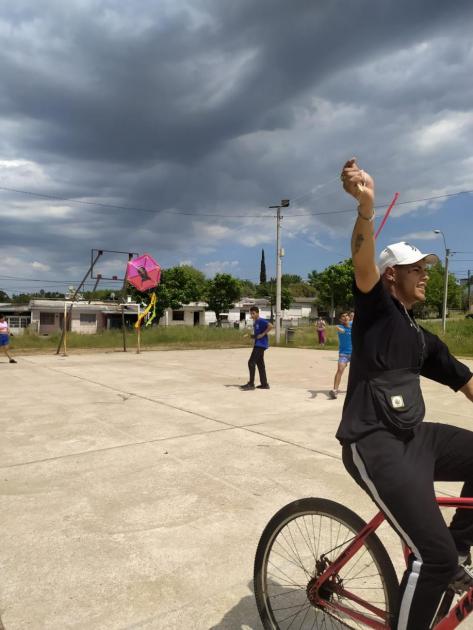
390	274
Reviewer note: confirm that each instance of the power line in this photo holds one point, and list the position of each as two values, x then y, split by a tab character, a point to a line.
385	205
119	207
227	216
128	208
2	277
315	188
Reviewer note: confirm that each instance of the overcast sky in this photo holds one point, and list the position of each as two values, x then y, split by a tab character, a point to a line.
195	116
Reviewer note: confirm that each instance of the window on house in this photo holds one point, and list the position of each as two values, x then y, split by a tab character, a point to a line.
46	319
88	318
178	316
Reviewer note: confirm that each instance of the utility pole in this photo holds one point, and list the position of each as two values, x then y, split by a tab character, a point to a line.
445	282
445	292
469	291
279	254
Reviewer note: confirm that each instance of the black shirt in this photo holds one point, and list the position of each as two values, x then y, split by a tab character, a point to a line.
386	337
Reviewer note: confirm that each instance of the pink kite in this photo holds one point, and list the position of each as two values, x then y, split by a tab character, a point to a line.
143	272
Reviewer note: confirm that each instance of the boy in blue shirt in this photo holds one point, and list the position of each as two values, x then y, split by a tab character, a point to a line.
344	350
261	328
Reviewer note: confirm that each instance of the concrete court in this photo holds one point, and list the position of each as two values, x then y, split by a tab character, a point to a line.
134	488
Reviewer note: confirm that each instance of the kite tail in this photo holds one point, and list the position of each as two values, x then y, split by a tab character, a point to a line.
153	304
144	314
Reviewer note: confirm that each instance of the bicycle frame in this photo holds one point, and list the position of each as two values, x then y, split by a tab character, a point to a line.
453	619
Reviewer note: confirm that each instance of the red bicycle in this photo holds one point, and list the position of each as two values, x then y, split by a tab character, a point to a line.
318	565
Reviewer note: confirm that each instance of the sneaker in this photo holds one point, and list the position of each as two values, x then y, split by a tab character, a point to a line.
247	387
12	361
463	578
263	386
333	394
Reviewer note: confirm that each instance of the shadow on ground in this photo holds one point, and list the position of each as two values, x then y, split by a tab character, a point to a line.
315	392
243	616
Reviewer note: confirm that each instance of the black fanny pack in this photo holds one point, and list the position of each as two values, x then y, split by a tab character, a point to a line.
398	398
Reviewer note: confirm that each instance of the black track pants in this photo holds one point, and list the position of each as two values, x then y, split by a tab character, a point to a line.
257	359
398	475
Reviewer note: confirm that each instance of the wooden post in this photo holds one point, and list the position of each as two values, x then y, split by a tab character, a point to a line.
123	327
76	292
138	347
124	298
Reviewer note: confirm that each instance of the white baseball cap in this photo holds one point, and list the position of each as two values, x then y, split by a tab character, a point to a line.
403	254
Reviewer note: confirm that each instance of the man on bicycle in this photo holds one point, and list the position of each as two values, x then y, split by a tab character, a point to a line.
387	449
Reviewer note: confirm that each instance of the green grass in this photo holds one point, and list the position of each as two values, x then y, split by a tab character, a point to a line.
459	338
306	337
170	337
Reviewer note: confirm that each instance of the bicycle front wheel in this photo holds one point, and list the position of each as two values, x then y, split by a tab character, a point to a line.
298	545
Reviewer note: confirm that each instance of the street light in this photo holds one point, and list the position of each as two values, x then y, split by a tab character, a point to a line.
279	254
445	283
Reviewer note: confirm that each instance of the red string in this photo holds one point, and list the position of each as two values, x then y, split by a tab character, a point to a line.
385	218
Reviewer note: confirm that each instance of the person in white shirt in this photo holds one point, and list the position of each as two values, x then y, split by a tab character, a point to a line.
5	338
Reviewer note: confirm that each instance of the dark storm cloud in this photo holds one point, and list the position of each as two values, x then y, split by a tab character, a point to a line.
197	106
148	95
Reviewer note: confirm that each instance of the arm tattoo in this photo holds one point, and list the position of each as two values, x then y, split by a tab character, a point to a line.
358	243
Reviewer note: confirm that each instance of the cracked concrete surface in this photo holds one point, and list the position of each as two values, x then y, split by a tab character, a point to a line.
134	488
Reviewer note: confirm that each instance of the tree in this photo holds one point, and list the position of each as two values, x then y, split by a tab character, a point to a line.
334	285
178	286
51	295
248	288
24	298
21	298
268	291
286	297
435	290
262	273
222	293
100	294
197	276
290	278
4	297
301	289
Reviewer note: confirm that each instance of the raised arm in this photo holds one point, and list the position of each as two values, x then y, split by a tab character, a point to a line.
360	185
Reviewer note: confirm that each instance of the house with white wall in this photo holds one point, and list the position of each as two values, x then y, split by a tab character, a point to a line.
47	316
302	308
195	313
18	317
192	314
